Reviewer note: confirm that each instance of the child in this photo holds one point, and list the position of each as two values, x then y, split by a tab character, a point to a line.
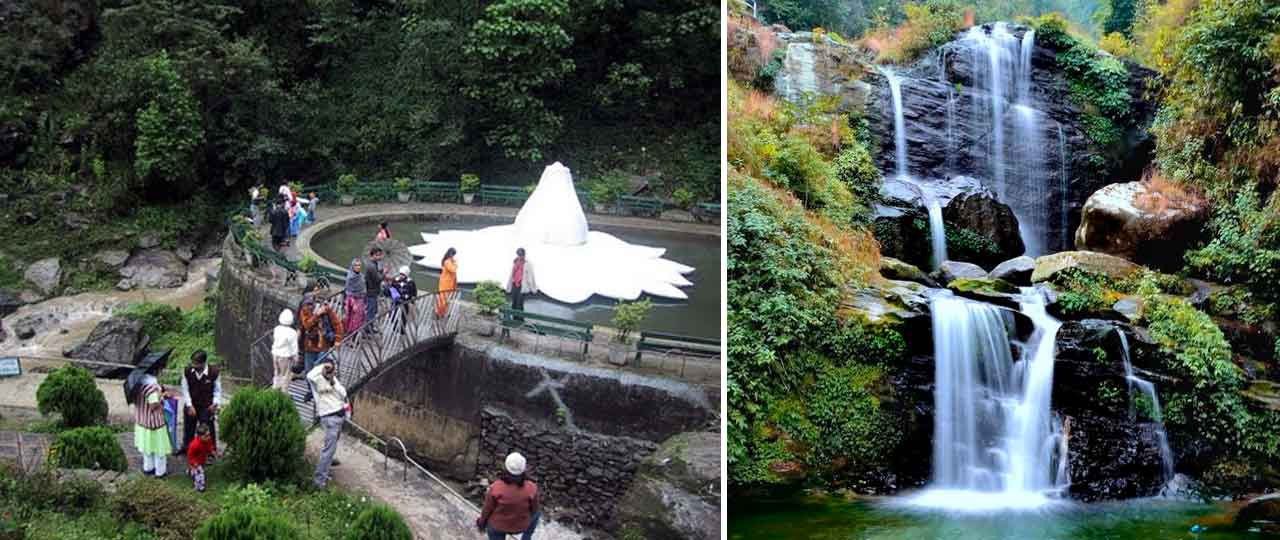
311	207
198	454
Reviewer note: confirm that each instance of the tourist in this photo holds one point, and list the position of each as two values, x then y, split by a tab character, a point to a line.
198	452
511	504
150	435
355	292
448	281
331	411
384	232
279	220
254	195
311	207
201	397
297	216
284	349
403	292
520	282
374	277
321	331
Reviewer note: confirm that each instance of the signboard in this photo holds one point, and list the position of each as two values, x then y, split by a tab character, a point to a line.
10	366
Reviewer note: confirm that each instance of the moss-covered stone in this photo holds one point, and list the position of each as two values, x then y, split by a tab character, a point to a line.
1088	261
982	285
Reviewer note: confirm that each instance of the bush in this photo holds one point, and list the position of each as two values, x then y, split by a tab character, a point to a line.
71	391
682	198
403	184
627	317
171	510
469	183
346	183
155	318
490	296
247	523
87	448
262	426
379	523
928	25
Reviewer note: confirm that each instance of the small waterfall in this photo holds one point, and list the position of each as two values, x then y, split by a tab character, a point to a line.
937	233
1148	389
899	124
1024	66
1030	197
951	134
996	442
1066	240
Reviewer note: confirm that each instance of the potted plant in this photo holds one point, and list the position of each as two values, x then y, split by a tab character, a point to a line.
469	184
402	189
346	189
682	198
490	296
627	317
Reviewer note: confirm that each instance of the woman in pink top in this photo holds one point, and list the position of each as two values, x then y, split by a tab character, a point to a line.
384	232
511	504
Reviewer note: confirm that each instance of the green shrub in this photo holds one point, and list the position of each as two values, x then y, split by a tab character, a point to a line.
247	523
379	523
855	168
171	510
682	198
627	317
71	391
490	296
155	318
966	245
346	184
469	183
403	184
307	264
269	440
87	448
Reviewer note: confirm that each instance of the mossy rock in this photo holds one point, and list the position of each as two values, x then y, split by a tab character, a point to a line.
892	268
1088	261
982	285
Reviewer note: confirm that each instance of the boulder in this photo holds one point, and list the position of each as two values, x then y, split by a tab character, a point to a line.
676	492
117	340
1262	513
952	270
28	218
1016	270
994	291
1135	221
113	258
45	274
992	220
75	221
10	301
154	268
1090	261
895	269
148	241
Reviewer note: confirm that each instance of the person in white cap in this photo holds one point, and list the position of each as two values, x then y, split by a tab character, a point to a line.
403	291
284	349
511	504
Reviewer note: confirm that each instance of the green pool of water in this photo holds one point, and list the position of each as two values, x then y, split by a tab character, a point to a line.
835	518
699	315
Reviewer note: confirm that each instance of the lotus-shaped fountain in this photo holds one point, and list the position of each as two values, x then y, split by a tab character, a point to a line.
570	262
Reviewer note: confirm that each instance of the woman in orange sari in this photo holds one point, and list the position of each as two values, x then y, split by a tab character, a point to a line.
448	281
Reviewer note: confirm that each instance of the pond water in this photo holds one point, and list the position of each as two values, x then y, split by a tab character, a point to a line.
699	315
831	518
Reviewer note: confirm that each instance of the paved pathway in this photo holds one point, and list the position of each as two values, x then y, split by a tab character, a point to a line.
34	448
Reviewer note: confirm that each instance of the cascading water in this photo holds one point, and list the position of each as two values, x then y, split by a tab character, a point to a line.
1066	241
1029	198
1148	389
937	233
899	124
996	444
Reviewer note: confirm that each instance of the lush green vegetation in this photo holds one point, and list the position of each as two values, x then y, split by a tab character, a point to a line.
263	426
857	17
156	115
72	392
379	523
1099	82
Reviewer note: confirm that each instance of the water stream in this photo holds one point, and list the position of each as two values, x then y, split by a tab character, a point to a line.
1148	390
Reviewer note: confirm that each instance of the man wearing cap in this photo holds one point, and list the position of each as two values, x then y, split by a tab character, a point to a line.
511	504
332	410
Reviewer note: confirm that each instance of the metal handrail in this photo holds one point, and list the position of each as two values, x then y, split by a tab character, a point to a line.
406	461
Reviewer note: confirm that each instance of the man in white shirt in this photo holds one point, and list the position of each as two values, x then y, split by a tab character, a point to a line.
201	398
332	410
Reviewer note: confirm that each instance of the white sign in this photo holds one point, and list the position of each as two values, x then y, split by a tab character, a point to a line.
10	367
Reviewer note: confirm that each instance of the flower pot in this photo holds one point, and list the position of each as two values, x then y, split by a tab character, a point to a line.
488	327
468	197
404	197
348	200
620	353
600	208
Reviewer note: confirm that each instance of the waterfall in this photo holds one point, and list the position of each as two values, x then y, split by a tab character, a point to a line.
1066	240
1148	389
899	124
1030	197
937	233
951	135
996	442
1024	66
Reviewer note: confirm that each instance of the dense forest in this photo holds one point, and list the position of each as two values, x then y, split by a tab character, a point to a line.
155	115
821	343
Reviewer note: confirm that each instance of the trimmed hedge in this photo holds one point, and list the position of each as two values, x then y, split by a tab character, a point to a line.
263	427
88	448
71	391
379	523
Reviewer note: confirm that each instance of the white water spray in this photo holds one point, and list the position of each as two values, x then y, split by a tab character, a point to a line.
1148	389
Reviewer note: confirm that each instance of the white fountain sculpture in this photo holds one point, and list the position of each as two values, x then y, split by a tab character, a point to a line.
570	262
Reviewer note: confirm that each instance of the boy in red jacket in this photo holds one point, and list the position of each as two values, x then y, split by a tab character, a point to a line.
198	454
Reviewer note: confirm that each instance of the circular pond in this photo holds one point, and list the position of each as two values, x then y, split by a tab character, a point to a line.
699	315
821	518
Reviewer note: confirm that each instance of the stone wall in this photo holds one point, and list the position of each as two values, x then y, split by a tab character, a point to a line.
248	307
582	473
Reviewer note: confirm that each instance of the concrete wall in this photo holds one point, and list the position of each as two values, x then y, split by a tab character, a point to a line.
248	307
